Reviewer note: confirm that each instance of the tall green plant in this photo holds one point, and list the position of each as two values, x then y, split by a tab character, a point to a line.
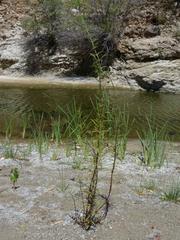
95	205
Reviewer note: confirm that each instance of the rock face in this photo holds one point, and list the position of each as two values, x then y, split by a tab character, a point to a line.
151	64
149	52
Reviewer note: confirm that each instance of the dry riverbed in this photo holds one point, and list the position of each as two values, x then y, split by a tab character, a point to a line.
41	206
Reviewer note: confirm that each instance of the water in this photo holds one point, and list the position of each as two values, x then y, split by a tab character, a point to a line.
164	107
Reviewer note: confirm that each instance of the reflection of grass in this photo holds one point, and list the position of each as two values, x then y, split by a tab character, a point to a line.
172	193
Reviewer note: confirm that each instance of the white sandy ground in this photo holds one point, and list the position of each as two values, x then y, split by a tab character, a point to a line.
39	209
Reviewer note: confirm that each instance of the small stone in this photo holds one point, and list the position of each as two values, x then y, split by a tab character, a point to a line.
152	31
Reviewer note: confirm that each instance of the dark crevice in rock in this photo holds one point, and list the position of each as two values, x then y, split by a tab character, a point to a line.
149	59
6	63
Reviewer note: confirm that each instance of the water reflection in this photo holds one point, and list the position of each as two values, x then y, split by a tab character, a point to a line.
164	107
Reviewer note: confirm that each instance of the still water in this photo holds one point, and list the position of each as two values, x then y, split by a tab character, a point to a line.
164	107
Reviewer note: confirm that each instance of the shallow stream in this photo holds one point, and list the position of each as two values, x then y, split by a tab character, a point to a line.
164	107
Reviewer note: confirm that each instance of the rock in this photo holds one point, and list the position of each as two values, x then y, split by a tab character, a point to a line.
155	235
146	50
162	74
151	61
152	31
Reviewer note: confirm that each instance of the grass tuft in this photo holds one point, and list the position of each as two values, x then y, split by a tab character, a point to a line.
172	193
153	142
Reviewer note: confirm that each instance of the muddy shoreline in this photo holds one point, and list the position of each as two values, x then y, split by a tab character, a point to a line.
54	82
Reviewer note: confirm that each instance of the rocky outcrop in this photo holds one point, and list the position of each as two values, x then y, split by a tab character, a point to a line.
12	55
151	64
149	51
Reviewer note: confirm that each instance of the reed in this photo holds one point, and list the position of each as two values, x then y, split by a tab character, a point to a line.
56	130
25	122
153	142
125	128
75	128
10	151
9	126
63	185
172	193
41	141
40	137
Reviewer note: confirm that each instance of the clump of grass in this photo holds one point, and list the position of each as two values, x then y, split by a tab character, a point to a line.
25	151
14	175
78	163
146	187
75	128
40	137
9	150
125	127
172	193
75	121
62	186
149	185
153	142
25	123
55	154
41	141
56	130
9	126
